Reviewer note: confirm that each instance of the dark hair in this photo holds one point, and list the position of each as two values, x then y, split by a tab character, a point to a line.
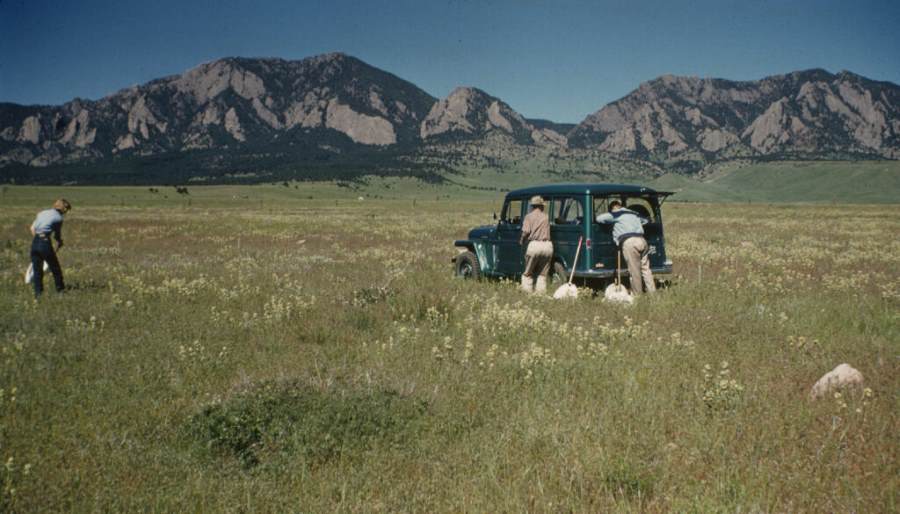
613	203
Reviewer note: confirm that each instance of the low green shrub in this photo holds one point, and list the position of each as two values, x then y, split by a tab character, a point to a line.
368	295
294	419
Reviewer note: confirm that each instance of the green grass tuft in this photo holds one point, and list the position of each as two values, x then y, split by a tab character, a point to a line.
293	420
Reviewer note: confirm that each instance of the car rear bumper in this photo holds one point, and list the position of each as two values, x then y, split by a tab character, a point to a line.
611	273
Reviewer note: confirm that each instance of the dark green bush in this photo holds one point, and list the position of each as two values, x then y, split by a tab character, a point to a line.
287	418
368	295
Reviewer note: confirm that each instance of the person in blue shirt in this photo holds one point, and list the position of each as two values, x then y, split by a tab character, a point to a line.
628	233
46	223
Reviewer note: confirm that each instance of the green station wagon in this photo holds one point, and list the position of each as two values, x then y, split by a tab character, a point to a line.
494	250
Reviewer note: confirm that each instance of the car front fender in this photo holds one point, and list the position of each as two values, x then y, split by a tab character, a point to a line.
464	244
482	250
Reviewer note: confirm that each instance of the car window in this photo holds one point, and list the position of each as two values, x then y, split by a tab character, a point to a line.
640	205
567	211
601	204
512	212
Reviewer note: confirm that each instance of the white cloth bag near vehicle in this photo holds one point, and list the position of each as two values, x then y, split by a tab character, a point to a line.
29	273
617	292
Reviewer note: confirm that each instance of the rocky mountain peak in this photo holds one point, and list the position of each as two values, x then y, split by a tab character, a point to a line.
333	57
468	92
469	112
674	82
809	75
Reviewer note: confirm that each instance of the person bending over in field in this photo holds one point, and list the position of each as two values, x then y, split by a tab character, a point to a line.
628	233
47	222
539	254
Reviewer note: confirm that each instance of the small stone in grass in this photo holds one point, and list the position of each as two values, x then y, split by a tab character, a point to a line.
842	376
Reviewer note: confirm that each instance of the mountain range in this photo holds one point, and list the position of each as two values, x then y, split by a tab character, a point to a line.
238	114
801	114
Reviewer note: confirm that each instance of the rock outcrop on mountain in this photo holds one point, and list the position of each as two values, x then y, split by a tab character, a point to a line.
804	113
469	113
222	104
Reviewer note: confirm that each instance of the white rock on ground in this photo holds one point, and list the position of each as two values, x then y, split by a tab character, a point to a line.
842	376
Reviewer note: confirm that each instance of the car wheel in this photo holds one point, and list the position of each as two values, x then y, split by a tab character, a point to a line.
467	266
558	275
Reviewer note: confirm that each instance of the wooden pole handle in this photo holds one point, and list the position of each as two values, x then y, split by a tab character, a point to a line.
618	266
575	262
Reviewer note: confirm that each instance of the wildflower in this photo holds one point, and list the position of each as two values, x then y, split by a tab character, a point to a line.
721	393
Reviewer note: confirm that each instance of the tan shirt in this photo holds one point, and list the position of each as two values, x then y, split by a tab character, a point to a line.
536	227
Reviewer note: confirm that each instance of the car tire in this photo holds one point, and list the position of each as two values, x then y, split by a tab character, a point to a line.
467	266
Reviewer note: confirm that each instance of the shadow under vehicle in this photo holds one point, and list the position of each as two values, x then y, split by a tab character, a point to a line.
494	250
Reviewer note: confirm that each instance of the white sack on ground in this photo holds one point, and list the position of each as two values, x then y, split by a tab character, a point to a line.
618	293
29	273
842	376
566	291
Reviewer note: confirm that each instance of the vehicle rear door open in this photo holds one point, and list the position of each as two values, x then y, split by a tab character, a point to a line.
648	208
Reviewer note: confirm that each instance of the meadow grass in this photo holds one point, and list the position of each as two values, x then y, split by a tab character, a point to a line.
835	182
271	349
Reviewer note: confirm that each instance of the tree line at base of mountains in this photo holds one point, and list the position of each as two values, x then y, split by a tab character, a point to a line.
339	162
227	167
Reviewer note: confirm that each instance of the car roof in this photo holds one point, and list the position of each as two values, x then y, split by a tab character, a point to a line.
586	188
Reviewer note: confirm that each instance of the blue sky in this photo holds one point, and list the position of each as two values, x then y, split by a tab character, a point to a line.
560	60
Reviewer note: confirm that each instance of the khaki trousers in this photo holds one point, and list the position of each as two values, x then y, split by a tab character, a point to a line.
637	257
538	258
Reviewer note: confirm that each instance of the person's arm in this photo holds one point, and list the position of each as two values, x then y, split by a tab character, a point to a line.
605	218
57	233
526	229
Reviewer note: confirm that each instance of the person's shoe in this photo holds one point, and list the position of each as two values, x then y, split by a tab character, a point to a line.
527	285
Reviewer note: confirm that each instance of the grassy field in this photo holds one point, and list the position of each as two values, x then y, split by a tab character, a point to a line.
273	349
486	166
858	182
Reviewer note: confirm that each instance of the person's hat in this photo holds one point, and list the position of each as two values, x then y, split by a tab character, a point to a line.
62	205
537	200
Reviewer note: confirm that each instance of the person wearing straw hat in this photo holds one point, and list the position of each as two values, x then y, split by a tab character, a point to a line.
628	233
46	223
539	253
